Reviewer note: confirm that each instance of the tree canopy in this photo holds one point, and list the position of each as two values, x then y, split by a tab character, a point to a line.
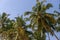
41	23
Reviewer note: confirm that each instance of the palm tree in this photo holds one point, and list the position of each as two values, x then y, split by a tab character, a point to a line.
19	26
42	20
5	25
13	29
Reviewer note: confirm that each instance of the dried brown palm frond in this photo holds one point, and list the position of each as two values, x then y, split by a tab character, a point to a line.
50	18
22	33
47	27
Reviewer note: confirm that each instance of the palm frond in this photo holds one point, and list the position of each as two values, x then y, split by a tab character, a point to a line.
58	20
34	8
27	13
27	19
50	18
49	5
22	33
47	27
58	29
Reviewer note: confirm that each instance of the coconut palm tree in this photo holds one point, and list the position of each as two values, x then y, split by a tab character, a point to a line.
5	25
43	21
13	29
20	24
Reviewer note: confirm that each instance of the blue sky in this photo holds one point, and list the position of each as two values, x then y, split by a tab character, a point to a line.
18	7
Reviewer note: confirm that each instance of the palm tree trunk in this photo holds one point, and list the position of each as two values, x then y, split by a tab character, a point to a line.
56	36
48	36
